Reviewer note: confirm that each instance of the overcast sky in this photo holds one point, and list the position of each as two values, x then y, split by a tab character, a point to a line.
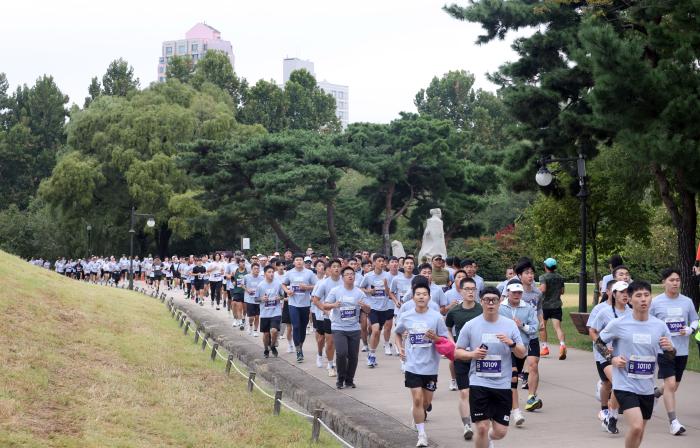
385	50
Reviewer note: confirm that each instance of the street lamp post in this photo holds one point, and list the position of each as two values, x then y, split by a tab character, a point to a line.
543	178
89	230
150	223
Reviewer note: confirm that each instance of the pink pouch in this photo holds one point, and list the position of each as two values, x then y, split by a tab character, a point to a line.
446	348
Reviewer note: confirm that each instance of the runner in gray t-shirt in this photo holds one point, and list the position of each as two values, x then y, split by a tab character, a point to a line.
489	341
636	340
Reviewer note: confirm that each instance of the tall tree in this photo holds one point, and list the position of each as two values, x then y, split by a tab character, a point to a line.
611	71
180	68
94	90
215	67
309	107
119	79
266	104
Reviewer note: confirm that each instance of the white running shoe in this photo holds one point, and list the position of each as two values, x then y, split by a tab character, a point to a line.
290	348
468	432
250	331
319	361
518	417
422	440
255	334
453	384
676	428
364	348
387	350
603	415
332	372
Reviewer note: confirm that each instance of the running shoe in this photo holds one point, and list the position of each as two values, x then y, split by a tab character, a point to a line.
422	440
266	353
331	372
371	361
453	385
350	384
241	325
218	308
518	417
319	361
274	351
611	425
544	351
562	352
603	415
290	348
387	350
533	403
468	432
676	428
300	357
255	334
339	385
364	348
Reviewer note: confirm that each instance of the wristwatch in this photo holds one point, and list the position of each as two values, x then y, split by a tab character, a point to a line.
512	345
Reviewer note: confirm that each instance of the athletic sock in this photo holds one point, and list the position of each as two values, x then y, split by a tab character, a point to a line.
671	416
562	343
421	428
544	344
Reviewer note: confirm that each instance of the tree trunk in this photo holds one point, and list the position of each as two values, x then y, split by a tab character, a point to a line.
163	240
388	217
288	243
330	222
681	206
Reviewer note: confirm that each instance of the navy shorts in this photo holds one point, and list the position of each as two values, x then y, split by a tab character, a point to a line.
252	309
380	317
668	368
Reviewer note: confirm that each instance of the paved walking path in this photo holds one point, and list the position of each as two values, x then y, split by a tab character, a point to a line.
567	389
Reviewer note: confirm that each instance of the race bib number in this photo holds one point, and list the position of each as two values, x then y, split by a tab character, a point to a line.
379	290
675	325
489	367
296	288
272	303
239	282
348	313
641	367
417	338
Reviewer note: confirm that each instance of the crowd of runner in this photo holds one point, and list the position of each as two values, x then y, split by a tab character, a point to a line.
492	337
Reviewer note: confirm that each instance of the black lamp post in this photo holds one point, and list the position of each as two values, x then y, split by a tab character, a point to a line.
150	223
543	178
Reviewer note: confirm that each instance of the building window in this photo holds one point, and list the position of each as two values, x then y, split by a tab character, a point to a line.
204	47
168	51
161	69
161	79
340	94
341	104
161	60
195	48
181	49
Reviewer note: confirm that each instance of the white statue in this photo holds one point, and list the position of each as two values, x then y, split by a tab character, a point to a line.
397	249
433	237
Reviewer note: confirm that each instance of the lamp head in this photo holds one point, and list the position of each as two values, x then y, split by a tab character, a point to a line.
151	222
543	177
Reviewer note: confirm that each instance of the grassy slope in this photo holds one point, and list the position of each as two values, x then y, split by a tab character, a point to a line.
88	366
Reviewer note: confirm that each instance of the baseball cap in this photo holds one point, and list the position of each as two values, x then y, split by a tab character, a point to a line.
620	286
307	259
550	262
515	287
437	257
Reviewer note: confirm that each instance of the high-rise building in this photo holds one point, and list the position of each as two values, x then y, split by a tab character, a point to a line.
198	40
339	92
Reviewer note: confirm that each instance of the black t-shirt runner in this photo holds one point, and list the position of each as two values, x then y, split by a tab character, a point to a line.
458	316
198	273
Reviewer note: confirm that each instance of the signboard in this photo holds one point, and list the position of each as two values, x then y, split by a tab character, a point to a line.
245	243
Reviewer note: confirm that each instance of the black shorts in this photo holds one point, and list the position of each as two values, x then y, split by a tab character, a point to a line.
285	313
176	274
267	323
668	368
533	349
462	374
380	317
554	313
518	363
322	326
600	366
198	285
486	403
629	400
252	309
237	297
427	382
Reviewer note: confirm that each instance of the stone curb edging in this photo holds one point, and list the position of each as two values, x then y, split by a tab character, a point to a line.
357	423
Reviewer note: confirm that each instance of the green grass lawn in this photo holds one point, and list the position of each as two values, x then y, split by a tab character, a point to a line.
577	340
90	366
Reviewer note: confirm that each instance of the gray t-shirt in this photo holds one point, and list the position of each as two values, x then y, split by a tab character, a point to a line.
379	300
534	299
437	295
494	370
421	356
250	282
411	305
347	317
293	279
269	295
638	342
677	313
400	286
321	290
602	319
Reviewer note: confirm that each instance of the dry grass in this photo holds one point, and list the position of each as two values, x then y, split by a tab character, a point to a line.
87	366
